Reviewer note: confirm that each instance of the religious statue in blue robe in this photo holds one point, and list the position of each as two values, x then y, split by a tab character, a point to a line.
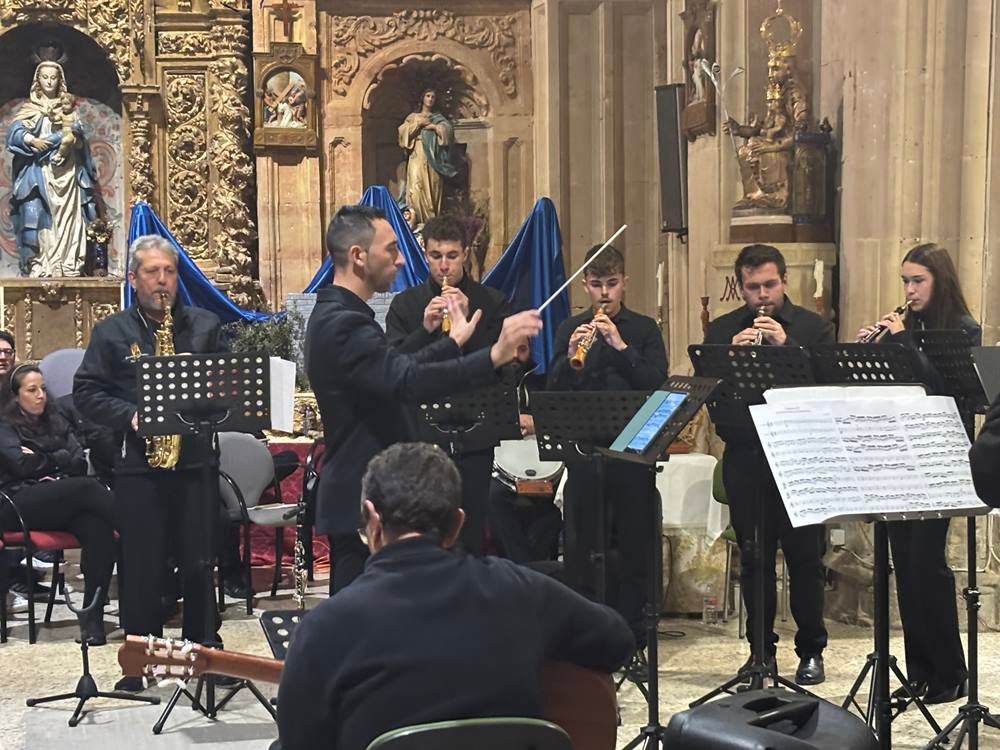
427	135
55	192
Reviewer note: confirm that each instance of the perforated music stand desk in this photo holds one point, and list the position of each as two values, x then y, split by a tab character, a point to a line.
857	364
950	353
472	420
570	426
195	394
746	372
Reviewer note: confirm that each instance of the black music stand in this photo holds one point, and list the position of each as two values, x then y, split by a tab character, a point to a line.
746	372
576	425
472	420
86	687
875	364
950	353
697	390
196	394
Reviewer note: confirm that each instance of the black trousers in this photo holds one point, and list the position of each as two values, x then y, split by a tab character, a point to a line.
154	507
925	589
629	493
81	506
525	529
347	560
476	470
745	473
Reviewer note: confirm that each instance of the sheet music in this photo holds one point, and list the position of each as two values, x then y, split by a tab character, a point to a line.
867	457
839	393
282	394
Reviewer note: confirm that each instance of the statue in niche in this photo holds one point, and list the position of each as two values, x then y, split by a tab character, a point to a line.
54	196
767	155
427	136
285	100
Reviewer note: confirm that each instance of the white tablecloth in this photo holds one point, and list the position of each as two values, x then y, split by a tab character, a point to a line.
685	486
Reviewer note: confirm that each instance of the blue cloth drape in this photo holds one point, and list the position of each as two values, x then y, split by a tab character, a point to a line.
531	269
415	270
193	287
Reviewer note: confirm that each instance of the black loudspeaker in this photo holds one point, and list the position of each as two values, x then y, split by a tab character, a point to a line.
673	158
768	720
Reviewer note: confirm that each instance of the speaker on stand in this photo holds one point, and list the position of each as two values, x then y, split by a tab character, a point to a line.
673	159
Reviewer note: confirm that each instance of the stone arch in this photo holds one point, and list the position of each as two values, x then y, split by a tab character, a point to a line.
93	78
392	93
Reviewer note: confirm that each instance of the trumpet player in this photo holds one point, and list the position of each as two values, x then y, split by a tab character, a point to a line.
417	318
768	313
925	583
626	353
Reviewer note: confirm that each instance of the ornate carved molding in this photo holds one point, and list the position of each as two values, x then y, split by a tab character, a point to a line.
109	25
194	43
233	166
354	38
78	319
101	310
187	161
21	11
138	8
29	324
471	104
140	172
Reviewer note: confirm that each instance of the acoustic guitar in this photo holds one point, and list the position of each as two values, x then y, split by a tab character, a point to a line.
579	700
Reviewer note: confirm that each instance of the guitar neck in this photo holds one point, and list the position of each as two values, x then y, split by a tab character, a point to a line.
243	666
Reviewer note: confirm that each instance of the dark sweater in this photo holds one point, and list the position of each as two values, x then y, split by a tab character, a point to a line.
426	634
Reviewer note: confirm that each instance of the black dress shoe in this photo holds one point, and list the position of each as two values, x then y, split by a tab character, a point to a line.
916	689
810	671
947	694
130	685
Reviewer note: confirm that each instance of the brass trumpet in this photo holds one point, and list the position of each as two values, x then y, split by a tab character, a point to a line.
579	357
879	329
758	338
445	321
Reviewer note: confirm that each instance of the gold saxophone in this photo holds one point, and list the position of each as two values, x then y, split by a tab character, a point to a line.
164	451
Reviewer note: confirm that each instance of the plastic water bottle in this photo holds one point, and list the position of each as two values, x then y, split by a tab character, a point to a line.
709	610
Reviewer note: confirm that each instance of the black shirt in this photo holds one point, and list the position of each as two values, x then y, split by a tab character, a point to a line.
362	387
985	458
427	634
640	366
802	328
404	323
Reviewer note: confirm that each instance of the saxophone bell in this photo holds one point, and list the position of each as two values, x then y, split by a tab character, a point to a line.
164	451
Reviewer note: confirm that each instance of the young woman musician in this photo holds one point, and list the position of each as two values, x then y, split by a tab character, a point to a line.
43	469
925	584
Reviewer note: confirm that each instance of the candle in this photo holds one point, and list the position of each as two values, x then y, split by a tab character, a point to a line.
659	284
818	276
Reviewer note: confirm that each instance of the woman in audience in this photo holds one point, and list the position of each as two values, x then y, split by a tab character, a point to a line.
43	469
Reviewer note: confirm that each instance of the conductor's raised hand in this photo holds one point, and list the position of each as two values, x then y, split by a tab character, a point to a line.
462	327
513	341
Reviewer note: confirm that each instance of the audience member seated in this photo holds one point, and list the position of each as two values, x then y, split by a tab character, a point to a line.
426	633
43	468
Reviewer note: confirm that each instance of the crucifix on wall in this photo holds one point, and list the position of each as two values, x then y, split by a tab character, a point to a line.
285	12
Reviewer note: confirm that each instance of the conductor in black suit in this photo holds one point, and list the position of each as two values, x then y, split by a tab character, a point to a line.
363	387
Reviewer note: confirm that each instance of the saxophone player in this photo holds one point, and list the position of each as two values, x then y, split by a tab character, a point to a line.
153	504
626	353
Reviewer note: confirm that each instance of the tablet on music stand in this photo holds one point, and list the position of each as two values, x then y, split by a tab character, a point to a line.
649	422
987	360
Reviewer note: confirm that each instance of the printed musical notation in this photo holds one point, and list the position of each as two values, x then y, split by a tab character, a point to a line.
867	457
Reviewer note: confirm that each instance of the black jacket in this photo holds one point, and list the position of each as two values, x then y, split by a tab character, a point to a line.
985	458
426	634
802	328
55	452
96	438
105	389
641	366
926	372
362	386
404	323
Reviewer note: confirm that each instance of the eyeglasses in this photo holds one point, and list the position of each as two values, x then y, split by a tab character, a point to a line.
5	353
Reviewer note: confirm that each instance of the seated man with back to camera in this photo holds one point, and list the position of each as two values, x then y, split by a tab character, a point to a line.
425	634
